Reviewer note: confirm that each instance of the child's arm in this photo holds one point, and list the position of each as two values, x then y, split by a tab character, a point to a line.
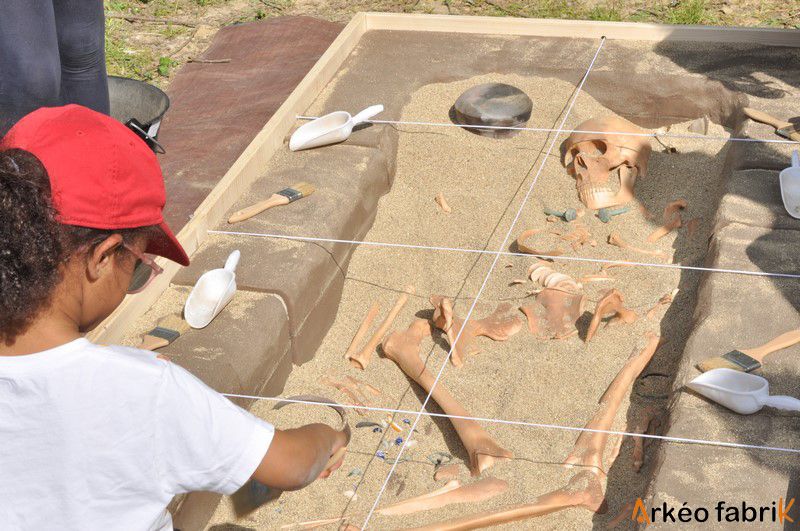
202	441
297	457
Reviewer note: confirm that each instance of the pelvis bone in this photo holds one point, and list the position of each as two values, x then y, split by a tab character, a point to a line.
499	326
606	164
557	307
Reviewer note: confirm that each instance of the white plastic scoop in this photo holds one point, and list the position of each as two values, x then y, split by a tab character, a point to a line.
329	129
790	186
214	289
741	392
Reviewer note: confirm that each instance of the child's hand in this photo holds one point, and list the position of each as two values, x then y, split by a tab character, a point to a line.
338	451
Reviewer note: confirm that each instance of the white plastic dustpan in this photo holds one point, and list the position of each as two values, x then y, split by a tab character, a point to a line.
790	186
741	392
214	290
329	129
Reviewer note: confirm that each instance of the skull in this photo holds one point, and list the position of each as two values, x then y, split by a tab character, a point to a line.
606	164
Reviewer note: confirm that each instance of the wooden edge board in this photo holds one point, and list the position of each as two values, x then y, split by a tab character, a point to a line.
585	29
251	163
248	167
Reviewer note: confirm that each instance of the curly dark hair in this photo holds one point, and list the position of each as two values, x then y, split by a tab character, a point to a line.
33	244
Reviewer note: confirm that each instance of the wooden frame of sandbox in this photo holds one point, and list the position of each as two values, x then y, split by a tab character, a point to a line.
270	140
249	165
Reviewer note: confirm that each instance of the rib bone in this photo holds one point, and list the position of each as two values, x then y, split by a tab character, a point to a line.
616	239
442	202
363	387
403	349
691	226
351	392
665	300
447	472
589	447
610	305
622	515
523	247
498	325
577	238
648	422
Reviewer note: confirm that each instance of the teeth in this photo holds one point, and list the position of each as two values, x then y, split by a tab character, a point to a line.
594	196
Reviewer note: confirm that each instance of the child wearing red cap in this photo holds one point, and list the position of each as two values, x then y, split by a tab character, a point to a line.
95	437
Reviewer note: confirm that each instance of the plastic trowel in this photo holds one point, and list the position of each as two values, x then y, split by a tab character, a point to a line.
330	129
742	392
790	186
213	291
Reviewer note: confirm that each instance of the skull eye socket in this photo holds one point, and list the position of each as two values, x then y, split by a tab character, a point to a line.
590	148
598	148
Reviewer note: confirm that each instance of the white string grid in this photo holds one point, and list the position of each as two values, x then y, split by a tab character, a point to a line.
570	131
509	253
524	423
497	256
500	252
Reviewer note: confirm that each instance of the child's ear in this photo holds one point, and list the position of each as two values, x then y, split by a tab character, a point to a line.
101	258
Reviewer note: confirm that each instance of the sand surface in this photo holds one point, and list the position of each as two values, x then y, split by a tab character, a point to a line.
523	379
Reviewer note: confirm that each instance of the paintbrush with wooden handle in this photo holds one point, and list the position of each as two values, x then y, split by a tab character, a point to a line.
284	197
751	359
782	128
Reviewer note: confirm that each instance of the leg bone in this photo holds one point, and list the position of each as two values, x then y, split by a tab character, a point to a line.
403	349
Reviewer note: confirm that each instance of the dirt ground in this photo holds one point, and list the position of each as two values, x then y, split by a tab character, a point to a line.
160	35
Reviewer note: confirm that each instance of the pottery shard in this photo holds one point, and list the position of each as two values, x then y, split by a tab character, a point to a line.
493	104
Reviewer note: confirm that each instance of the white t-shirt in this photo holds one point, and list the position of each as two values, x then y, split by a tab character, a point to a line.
102	438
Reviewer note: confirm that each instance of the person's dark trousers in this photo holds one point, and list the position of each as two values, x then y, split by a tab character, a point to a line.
51	53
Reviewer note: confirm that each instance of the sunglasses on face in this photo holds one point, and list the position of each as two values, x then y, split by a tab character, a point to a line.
144	271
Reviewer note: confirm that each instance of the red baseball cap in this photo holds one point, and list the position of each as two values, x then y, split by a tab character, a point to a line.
102	176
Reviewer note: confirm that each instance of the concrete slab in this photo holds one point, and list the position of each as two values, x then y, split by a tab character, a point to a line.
673	81
244	350
758	249
759	155
702	476
299	273
736	312
349	180
753	197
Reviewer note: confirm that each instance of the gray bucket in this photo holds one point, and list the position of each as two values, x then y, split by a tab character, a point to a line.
138	100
